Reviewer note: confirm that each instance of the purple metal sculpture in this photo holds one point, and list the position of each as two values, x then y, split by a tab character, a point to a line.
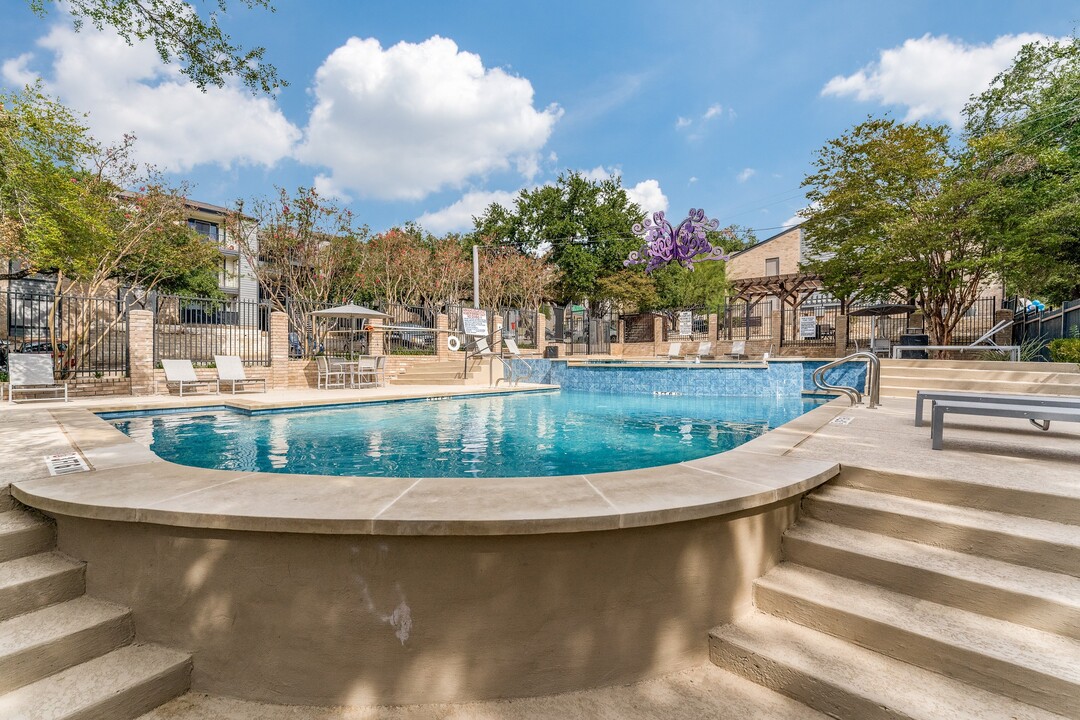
685	244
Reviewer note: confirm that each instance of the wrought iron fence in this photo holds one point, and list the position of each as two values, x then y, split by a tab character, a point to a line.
674	324
196	329
413	329
809	326
90	333
520	325
638	328
978	321
745	321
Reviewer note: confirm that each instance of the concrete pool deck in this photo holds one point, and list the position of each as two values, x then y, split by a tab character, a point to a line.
991	458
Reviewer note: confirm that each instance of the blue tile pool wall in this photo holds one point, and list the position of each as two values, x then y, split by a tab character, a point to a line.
780	378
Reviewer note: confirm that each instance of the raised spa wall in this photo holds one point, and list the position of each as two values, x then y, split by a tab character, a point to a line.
777	377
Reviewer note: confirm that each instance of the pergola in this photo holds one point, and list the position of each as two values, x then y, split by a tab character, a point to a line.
792	289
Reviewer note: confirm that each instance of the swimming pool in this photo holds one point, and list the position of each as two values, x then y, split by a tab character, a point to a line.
534	434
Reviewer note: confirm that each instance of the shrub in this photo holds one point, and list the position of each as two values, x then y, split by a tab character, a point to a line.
1065	350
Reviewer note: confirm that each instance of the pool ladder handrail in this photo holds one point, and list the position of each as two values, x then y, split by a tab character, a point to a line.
489	353
873	378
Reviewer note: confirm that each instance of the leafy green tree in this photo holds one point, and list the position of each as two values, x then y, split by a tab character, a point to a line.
207	55
1024	134
586	223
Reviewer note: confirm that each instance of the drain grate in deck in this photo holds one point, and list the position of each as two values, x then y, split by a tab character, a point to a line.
842	420
66	464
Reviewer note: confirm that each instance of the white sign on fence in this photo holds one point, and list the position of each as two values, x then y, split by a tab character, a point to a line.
686	323
474	321
807	327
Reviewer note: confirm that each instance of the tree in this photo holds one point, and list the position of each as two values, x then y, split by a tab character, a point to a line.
891	216
66	212
1024	134
302	248
587	224
207	55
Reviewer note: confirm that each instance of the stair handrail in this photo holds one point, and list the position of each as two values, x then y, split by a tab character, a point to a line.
873	378
490	338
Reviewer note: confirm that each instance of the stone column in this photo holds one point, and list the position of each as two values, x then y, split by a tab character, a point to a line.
841	336
541	331
442	324
1004	337
141	352
496	332
375	337
279	351
714	325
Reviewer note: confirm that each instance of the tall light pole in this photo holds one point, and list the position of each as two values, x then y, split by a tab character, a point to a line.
476	276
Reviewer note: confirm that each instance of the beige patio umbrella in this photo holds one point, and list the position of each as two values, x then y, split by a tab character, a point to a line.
349	311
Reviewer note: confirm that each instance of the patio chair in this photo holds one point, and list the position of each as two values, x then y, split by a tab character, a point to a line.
182	373
33	372
482	347
380	371
326	374
738	350
674	352
704	350
230	369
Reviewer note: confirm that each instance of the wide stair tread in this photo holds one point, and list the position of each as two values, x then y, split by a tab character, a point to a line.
39	643
1016	593
23	533
959	528
31	582
847	681
1031	665
120	685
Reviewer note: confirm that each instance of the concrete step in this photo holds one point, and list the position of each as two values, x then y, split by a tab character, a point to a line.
23	533
38	644
119	685
34	581
1035	598
996	386
846	681
1035	667
1045	498
1043	545
933	365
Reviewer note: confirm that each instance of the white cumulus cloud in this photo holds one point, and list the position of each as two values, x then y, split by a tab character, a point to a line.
405	121
933	76
649	196
746	174
459	215
127	89
715	110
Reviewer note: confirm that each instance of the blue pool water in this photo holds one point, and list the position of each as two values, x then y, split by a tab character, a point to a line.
553	433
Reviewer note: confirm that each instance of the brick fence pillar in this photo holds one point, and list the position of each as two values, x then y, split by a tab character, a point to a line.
279	350
659	347
496	332
375	342
841	336
141	352
1003	337
541	331
778	329
442	324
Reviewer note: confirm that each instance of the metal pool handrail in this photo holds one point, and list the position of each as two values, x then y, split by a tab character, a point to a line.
873	378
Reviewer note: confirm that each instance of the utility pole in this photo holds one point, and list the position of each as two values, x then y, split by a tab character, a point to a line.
476	276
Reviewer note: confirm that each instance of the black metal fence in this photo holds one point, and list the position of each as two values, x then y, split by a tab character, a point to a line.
638	328
197	329
809	326
745	321
412	329
90	333
686	324
1046	325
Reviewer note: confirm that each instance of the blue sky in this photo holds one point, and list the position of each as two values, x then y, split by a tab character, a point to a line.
429	110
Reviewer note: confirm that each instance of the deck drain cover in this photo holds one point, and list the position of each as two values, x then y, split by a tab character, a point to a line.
842	420
65	464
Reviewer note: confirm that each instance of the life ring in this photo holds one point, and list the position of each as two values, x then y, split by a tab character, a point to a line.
452	343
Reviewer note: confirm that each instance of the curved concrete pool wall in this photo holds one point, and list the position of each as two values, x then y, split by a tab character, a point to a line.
327	590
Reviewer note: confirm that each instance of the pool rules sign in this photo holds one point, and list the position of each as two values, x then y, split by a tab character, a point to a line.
807	327
474	321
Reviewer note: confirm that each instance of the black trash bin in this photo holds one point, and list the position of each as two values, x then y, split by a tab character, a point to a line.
551	352
914	340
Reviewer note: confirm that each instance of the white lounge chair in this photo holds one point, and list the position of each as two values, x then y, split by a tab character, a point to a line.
674	351
514	352
230	369
33	372
328	375
182	373
704	350
738	350
482	347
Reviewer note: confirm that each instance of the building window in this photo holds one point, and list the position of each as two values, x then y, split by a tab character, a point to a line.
772	266
203	227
